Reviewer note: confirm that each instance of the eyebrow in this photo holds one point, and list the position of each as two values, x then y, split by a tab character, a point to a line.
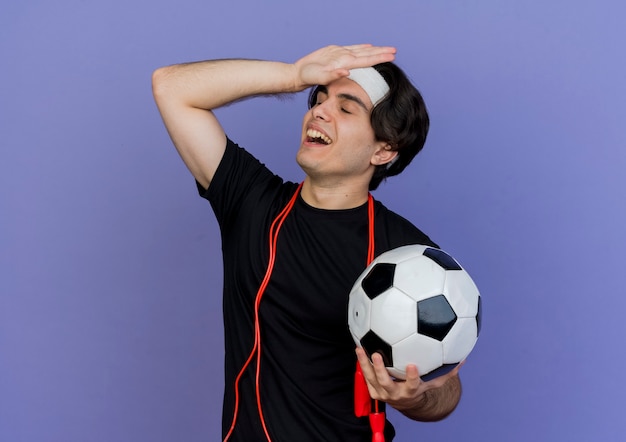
344	96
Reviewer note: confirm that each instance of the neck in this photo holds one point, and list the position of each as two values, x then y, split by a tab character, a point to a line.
333	197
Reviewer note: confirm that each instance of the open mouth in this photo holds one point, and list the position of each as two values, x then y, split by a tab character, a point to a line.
316	137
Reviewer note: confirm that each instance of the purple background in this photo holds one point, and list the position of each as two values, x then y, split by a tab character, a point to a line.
110	274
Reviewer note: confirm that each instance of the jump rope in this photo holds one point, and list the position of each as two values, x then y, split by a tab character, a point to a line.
362	401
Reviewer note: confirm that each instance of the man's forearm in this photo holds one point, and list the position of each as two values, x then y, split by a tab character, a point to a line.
436	404
212	84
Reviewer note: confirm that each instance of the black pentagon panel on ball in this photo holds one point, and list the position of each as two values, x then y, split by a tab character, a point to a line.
379	279
435	317
444	369
372	343
442	258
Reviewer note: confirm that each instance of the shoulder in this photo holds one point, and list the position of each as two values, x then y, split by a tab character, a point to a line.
238	171
398	230
243	184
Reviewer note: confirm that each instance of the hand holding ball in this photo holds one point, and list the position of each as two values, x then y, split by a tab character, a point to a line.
415	305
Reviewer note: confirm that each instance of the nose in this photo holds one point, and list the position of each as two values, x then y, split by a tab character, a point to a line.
321	111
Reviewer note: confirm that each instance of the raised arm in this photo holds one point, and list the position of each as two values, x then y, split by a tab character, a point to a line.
187	93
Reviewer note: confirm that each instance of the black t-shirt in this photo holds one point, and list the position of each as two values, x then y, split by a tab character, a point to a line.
307	353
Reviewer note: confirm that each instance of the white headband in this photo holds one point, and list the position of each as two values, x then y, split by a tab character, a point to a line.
371	81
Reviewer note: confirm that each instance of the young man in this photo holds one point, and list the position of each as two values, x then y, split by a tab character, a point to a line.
292	252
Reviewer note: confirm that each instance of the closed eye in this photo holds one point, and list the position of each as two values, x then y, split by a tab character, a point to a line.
320	98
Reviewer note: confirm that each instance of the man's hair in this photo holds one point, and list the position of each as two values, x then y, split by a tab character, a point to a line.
400	119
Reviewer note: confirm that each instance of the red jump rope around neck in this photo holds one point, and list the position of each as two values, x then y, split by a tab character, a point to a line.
362	399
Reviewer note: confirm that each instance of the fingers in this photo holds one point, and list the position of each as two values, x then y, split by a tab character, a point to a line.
412	376
364	361
380	384
355	56
369	49
382	375
365	55
333	62
359	46
371	370
399	394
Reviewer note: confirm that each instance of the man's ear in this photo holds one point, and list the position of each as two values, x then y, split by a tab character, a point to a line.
383	155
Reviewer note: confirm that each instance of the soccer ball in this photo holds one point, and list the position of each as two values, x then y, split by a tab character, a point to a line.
415	305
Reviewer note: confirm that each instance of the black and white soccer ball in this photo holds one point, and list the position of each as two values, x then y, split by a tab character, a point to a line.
415	305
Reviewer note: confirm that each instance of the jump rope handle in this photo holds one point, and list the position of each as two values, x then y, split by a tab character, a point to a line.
362	400
363	406
377	423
